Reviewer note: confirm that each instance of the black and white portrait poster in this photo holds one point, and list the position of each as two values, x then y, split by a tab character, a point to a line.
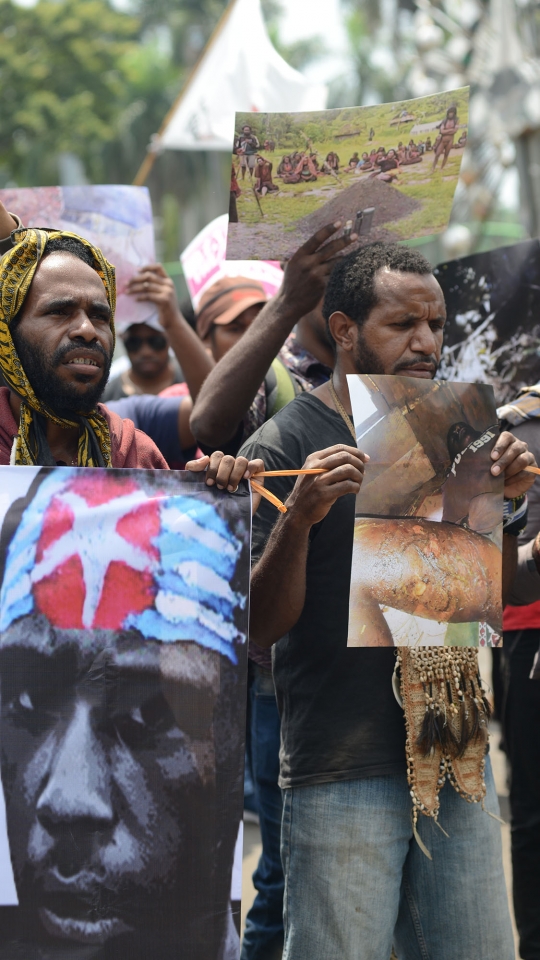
492	333
123	624
427	559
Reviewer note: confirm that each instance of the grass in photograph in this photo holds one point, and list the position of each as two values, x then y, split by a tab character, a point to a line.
346	131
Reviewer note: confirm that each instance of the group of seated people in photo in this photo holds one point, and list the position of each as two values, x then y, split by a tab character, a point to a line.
382	164
305	167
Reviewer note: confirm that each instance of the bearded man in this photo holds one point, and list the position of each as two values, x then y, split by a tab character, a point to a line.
57	300
361	846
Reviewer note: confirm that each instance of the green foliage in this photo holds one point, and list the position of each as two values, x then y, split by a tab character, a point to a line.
369	34
85	78
189	24
369	13
62	76
170	212
152	84
300	53
359	25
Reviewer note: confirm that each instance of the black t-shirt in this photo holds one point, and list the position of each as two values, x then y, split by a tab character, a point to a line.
339	717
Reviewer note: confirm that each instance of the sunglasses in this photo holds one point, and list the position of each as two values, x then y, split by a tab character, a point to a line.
156	342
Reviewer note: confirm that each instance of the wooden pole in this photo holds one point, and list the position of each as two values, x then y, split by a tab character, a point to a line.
151	154
145	168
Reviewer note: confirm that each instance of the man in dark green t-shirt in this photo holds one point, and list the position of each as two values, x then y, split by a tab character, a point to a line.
355	880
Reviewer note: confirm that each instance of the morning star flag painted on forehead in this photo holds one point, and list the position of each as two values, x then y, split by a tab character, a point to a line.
128	550
123	671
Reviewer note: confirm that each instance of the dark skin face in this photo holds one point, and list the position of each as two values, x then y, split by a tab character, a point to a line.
107	756
67	307
148	365
223	337
459	437
403	333
66	312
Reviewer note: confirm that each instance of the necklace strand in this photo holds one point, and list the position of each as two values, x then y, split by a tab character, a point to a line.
341	409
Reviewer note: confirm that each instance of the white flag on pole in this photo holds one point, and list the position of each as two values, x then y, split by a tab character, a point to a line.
239	71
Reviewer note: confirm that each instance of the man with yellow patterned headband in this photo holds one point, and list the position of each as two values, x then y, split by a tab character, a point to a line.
57	300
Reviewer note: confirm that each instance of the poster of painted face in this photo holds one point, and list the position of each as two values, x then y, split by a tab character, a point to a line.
427	557
115	218
123	621
492	330
387	172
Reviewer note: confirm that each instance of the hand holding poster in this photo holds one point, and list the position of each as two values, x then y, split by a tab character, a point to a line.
123	620
387	172
117	219
428	522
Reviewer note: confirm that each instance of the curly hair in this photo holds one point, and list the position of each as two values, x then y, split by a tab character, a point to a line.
351	285
70	245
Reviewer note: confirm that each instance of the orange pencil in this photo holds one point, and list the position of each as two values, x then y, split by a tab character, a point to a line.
290	473
258	487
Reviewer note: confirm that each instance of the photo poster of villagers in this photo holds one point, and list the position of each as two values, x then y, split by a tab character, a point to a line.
115	218
427	554
387	172
492	332
123	657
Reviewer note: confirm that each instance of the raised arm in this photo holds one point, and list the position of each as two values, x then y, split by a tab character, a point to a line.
154	285
278	580
229	390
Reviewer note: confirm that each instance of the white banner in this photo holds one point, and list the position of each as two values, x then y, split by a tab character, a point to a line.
240	70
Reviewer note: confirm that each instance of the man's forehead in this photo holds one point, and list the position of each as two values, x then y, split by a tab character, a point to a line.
126	651
63	275
37	636
405	290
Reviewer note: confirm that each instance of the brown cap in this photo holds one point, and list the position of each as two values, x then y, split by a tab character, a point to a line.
225	300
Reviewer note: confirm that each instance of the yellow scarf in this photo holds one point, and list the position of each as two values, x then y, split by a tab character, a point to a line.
17	269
